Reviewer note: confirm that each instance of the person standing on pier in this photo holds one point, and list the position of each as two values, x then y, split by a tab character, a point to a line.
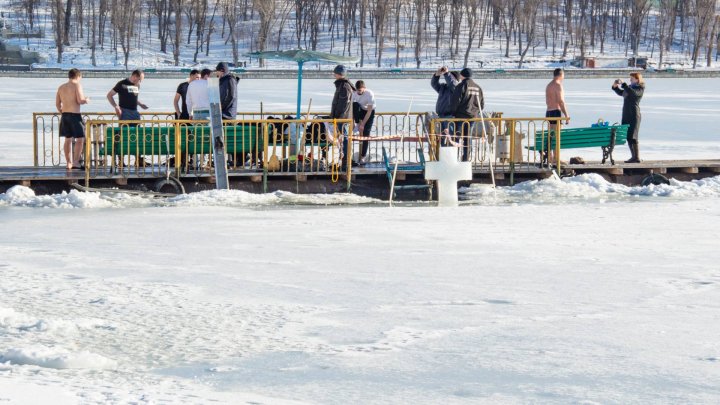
68	99
198	102
228	91
128	91
364	115
444	100
341	107
555	103
632	94
467	103
181	111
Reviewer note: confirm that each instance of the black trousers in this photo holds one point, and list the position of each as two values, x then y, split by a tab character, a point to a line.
359	115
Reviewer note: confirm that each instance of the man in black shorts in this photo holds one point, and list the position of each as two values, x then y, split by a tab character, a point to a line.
555	102
68	99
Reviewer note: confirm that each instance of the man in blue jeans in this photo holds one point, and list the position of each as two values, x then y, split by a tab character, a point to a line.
128	91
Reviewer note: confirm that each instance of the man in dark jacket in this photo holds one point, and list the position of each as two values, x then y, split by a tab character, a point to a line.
445	92
467	103
228	91
342	104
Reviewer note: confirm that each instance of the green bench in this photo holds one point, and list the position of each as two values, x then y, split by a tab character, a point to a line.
605	137
194	139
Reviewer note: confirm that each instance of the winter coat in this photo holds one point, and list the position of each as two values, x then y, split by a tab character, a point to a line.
342	100
445	92
467	99
631	94
228	96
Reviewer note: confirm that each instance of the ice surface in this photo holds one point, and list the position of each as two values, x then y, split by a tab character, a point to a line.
679	115
544	293
556	291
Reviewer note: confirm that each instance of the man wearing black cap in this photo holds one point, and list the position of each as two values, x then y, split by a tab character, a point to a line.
342	103
467	103
228	91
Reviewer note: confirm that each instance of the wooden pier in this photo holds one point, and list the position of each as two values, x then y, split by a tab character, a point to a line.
369	180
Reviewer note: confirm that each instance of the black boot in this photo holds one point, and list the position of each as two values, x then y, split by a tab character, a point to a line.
634	153
636	147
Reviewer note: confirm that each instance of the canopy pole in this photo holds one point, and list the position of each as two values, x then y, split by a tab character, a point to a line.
299	92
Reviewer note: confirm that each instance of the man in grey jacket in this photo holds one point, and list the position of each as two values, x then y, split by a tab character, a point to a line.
467	103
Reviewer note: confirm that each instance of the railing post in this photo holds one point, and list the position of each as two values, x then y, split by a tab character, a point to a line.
88	151
178	152
348	157
512	154
557	146
35	141
266	145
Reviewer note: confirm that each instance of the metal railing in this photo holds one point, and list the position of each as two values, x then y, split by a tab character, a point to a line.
162	147
159	145
516	142
48	146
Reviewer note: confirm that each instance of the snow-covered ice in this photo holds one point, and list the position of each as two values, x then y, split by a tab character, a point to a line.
555	291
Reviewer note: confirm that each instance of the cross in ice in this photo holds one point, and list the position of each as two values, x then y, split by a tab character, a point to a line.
447	171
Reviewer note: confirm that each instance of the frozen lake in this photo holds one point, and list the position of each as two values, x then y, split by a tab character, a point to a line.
679	115
571	291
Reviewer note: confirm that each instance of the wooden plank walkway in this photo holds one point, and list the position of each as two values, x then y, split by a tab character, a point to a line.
60	174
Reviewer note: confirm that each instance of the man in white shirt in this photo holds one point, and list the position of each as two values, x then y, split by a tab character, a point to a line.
364	115
197	101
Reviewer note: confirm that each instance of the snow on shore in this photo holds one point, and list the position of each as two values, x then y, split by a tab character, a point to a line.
586	187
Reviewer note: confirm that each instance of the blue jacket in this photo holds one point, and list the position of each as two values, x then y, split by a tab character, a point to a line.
445	91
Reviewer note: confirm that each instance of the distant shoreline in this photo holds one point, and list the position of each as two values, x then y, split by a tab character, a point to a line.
24	71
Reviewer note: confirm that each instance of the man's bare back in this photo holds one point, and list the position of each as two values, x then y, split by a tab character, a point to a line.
554	96
69	97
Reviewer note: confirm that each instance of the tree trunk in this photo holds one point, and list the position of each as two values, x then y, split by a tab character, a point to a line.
66	26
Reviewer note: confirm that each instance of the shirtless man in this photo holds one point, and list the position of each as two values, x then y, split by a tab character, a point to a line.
68	100
555	102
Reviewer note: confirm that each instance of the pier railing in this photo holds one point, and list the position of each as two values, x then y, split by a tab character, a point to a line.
267	144
519	143
48	145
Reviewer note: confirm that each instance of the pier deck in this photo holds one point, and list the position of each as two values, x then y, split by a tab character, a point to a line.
367	180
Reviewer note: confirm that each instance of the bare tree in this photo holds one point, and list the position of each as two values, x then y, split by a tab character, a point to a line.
528	17
703	12
421	8
66	24
58	17
177	7
381	15
125	20
162	9
473	11
638	11
231	12
266	10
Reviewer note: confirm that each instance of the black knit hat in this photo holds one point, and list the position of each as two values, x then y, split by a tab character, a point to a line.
466	72
340	70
